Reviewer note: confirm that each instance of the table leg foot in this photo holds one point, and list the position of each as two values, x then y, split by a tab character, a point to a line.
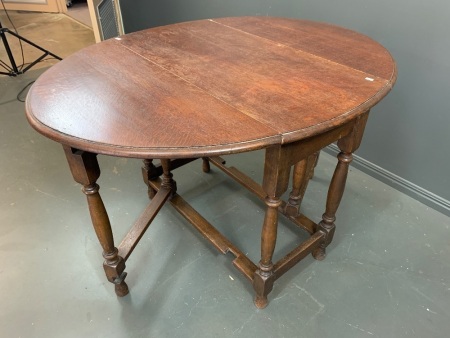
121	289
263	285
260	302
319	253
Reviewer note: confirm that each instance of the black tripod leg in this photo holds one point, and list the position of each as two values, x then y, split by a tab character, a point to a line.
35	61
14	70
33	44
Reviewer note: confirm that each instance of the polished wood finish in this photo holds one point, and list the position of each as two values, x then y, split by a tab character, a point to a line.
203	89
151	94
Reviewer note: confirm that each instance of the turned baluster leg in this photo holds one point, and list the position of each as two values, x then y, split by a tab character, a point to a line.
85	170
293	205
167	180
275	182
334	197
149	173
347	145
264	277
302	173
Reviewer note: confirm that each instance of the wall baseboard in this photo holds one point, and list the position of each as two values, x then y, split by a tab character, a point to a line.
422	195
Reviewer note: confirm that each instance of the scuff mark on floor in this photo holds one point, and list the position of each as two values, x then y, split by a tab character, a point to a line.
319	304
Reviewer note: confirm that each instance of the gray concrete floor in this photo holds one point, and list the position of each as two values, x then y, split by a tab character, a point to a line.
387	273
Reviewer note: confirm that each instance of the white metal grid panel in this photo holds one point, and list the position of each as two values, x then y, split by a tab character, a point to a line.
107	19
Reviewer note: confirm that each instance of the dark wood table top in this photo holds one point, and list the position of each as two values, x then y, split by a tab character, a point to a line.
210	87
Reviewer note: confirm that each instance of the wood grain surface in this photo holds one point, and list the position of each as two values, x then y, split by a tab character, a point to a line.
210	87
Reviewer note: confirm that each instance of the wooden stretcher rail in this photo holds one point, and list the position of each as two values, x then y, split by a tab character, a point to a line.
296	255
239	176
136	232
301	220
220	242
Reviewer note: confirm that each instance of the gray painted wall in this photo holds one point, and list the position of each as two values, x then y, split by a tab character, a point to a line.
408	133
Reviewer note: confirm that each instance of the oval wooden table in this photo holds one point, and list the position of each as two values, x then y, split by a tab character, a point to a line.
208	88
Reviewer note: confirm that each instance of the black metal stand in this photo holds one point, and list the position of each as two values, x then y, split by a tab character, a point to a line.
14	70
